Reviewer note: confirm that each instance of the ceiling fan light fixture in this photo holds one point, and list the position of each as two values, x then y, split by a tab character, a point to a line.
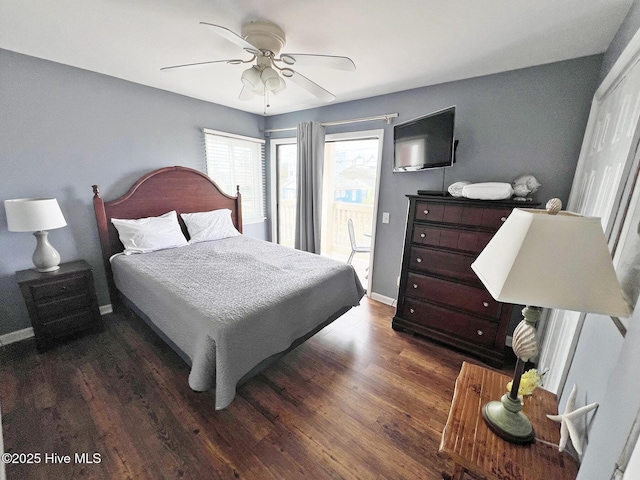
251	78
271	79
282	86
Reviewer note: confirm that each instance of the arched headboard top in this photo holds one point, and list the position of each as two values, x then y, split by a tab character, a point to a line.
182	189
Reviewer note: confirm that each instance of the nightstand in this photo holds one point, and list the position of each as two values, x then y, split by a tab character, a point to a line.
60	303
478	453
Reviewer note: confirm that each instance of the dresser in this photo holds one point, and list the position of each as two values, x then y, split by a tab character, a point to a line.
440	296
60	303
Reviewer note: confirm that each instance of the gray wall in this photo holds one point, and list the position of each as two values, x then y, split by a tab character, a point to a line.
605	364
63	129
524	121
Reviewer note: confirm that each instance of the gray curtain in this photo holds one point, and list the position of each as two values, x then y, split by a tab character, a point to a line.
310	137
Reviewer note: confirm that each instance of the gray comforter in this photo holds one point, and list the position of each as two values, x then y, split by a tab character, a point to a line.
229	304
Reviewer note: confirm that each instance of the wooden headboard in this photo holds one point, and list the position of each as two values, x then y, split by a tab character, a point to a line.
172	188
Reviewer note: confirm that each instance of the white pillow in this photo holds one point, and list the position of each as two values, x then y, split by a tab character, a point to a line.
488	191
150	234
206	226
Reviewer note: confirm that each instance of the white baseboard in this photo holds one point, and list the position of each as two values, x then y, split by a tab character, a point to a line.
382	299
106	309
16	336
26	333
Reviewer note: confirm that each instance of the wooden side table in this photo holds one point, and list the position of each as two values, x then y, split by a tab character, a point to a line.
60	303
479	453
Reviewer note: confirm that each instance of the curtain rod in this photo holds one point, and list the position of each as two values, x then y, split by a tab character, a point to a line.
387	117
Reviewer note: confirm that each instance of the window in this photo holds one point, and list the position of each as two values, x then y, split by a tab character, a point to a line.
235	160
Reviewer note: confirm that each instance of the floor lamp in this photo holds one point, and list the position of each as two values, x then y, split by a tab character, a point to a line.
544	258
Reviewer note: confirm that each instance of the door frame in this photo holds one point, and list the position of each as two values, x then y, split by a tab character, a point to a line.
273	182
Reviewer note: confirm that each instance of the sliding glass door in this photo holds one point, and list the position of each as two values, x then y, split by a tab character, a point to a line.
350	188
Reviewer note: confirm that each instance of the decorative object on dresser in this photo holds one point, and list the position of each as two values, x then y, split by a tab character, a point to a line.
544	259
60	303
37	215
524	186
440	296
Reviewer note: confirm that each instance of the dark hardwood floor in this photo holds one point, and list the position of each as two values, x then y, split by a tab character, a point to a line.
357	401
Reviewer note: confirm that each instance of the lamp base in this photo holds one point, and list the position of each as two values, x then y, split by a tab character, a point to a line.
506	420
45	257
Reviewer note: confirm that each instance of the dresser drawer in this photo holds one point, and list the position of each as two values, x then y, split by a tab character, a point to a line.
63	286
62	306
464	240
475	300
451	264
467	327
462	214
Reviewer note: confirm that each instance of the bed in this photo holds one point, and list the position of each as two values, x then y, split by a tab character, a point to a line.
229	307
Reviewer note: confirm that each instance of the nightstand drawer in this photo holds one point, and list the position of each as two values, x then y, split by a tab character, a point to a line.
467	327
64	286
475	300
63	326
63	306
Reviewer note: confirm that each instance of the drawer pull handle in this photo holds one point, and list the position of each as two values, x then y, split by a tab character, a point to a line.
419	260
422	235
503	219
480	332
485	304
411	310
415	285
426	212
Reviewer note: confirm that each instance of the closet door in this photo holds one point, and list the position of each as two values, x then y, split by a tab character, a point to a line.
607	151
606	156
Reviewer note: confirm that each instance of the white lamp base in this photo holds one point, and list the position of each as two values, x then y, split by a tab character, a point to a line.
45	257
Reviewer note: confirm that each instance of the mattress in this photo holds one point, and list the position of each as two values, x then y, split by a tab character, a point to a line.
229	304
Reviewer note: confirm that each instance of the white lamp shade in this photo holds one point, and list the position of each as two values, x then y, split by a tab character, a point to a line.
33	214
271	79
555	261
251	78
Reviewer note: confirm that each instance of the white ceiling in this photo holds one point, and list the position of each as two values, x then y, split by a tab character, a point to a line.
395	44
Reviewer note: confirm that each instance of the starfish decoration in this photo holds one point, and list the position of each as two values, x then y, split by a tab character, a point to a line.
567	426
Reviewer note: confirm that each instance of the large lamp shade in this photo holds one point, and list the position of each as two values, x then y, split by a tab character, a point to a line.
556	261
33	214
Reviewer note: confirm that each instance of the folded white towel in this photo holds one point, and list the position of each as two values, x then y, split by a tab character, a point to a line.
488	191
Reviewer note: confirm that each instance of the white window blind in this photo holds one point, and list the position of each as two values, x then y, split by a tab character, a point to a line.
236	160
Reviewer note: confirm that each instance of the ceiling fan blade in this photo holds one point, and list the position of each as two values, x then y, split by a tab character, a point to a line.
311	60
308	85
245	94
233	38
233	61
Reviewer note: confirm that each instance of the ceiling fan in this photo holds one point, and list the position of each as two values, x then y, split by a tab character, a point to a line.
264	41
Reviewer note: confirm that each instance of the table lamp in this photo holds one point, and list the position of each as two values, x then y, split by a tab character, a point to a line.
37	215
544	258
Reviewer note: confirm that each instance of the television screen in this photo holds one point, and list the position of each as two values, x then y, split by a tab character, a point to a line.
425	142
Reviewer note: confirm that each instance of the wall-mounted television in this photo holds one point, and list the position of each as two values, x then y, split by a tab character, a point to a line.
425	142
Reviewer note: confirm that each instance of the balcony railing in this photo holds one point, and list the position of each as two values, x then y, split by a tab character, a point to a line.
335	234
